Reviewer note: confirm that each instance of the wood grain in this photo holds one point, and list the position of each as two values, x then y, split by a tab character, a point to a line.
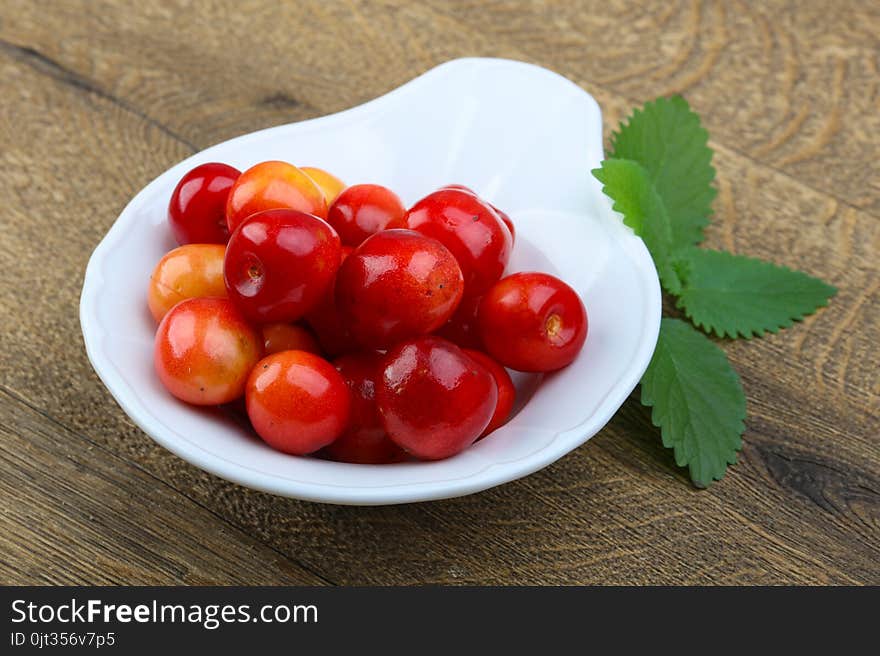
98	98
76	510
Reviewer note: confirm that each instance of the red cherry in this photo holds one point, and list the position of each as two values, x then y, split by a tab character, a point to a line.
279	263
397	284
197	211
506	390
434	399
363	210
328	183
532	322
507	222
297	402
460	187
365	440
462	329
189	271
327	324
279	337
204	351
273	185
502	215
470	229
332	333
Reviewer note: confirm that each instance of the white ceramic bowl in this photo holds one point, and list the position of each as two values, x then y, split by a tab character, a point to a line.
522	137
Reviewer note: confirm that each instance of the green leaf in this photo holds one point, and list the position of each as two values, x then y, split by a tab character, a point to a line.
734	295
627	183
666	137
697	401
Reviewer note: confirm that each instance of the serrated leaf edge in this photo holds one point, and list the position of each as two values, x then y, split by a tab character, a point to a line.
666	439
750	333
664	281
705	148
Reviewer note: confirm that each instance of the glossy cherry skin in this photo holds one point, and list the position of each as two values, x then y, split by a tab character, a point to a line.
324	319
506	390
433	398
460	187
533	322
364	440
397	284
197	211
190	271
329	184
279	263
470	229
297	402
279	337
462	329
204	351
363	210
507	221
273	185
501	214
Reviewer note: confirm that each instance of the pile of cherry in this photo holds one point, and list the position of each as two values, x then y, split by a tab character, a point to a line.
354	328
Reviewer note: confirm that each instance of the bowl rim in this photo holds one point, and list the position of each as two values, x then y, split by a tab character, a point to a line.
493	474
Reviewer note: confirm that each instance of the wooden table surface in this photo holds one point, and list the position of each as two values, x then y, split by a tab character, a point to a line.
97	98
